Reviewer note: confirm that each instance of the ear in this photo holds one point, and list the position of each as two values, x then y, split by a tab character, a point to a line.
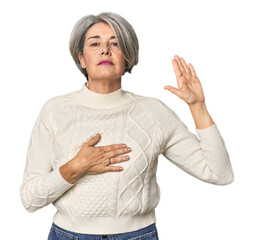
81	60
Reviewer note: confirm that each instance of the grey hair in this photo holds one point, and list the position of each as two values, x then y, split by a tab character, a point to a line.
125	34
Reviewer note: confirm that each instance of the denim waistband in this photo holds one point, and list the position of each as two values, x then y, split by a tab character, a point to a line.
142	233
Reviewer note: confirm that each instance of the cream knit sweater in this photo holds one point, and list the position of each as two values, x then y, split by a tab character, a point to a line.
114	202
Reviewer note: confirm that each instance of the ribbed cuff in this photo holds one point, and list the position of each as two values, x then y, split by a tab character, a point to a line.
57	183
209	133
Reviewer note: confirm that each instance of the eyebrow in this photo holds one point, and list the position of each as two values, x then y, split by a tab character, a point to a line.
97	36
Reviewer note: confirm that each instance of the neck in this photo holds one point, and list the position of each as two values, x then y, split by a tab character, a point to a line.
103	86
102	100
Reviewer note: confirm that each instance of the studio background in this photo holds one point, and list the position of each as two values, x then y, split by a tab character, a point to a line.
216	37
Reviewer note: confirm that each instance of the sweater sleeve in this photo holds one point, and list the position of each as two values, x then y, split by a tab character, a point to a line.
41	184
205	158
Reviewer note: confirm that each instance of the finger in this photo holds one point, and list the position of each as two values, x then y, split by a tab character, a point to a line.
114	160
193	72
179	64
113	168
92	141
186	68
116	152
177	70
174	90
112	147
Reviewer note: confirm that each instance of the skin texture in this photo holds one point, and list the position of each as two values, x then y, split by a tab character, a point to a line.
102	78
94	160
190	90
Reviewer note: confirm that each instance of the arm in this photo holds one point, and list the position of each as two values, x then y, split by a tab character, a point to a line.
41	184
207	158
201	116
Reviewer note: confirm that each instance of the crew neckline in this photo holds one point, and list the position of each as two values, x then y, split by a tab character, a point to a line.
103	100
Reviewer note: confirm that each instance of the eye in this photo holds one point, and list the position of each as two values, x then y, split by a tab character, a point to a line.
94	44
114	44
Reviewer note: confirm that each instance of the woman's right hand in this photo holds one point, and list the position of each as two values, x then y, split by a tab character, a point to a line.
94	160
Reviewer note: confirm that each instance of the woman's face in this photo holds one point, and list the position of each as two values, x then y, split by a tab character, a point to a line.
101	45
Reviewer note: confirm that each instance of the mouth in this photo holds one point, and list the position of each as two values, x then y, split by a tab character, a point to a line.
106	62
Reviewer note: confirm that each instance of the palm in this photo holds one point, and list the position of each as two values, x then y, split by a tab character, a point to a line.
189	86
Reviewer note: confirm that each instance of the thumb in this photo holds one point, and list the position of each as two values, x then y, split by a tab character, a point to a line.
92	141
175	91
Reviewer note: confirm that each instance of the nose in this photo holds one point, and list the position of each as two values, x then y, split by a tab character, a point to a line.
105	50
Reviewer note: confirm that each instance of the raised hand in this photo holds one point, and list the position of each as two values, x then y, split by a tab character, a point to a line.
189	86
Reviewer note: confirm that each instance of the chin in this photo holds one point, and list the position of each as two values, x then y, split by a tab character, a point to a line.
107	76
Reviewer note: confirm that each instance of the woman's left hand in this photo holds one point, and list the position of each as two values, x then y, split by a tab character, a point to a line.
189	86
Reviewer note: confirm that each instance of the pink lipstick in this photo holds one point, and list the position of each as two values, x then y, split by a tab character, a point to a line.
105	62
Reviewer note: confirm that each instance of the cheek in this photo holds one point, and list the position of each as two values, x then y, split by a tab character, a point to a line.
122	62
88	60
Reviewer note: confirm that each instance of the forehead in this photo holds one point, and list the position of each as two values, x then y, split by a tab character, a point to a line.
100	29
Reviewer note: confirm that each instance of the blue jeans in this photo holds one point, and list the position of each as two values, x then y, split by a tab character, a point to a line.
147	233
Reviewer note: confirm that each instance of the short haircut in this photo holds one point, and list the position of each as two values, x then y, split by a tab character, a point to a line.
125	34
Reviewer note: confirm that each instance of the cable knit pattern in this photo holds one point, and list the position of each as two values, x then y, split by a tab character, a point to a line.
114	202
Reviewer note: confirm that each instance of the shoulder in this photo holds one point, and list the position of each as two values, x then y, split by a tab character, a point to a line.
161	112
56	103
152	104
145	100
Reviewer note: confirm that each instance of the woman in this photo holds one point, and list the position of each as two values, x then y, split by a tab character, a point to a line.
102	188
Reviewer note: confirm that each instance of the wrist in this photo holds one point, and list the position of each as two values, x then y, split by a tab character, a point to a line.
70	171
198	107
201	115
77	167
